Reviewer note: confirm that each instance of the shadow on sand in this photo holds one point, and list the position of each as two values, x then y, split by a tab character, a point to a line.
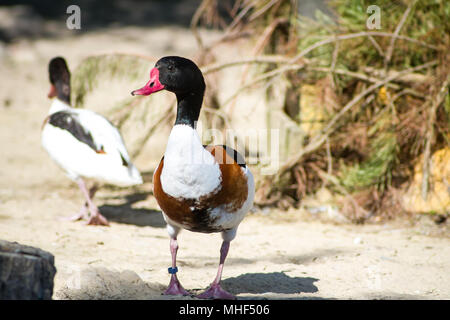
125	213
274	282
99	283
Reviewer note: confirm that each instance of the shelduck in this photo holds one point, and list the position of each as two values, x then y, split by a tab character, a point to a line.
199	188
84	144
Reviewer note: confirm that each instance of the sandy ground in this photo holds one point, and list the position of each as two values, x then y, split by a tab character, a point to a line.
276	255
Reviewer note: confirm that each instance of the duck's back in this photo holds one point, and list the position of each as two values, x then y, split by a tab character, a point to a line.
86	144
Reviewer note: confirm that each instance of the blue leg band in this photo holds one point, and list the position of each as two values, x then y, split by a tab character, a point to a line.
173	270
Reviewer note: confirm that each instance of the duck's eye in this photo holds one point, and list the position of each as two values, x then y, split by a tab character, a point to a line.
170	67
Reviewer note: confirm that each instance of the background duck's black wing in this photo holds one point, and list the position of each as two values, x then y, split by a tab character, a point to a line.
69	121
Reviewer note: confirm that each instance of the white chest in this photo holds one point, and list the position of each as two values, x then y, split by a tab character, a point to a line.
189	171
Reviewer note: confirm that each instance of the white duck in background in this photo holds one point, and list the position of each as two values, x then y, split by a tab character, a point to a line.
84	144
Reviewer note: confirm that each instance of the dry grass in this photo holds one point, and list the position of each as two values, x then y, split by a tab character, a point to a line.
376	114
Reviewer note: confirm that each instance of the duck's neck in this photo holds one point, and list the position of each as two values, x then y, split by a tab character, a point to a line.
188	109
63	90
58	105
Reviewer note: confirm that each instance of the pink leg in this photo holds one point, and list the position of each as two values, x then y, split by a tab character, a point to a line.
95	217
83	214
174	288
215	291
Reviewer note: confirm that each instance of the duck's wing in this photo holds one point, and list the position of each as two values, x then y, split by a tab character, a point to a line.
105	137
232	154
70	121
